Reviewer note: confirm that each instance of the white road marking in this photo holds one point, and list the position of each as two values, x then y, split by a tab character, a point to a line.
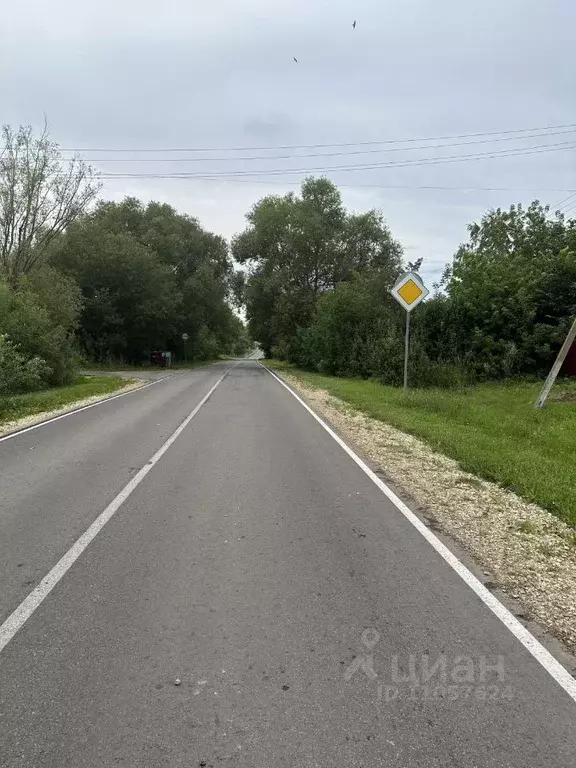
542	656
20	616
78	410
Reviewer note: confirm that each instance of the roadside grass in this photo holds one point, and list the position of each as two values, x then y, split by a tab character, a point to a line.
492	430
14	407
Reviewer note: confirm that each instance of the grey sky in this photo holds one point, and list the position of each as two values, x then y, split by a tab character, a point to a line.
137	73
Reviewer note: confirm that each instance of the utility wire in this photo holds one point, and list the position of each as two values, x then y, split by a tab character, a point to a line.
562	203
319	146
537	149
269	182
318	154
571	208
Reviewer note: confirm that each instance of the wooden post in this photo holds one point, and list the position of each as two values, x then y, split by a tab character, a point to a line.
555	370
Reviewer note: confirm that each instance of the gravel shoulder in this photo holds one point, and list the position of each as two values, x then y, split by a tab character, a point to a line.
530	554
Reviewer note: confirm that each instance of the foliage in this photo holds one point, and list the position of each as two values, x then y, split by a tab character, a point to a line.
299	248
318	292
40	195
128	278
18	373
57	294
127	292
119	281
36	332
510	293
148	275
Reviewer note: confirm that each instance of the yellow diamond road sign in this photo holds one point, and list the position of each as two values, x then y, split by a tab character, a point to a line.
409	291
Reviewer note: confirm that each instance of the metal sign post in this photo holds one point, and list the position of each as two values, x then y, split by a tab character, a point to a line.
406	351
555	370
409	291
185	339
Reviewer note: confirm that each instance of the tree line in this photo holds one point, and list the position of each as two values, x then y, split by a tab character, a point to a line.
100	281
317	291
83	279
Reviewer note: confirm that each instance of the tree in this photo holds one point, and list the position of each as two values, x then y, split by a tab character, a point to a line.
41	194
19	373
37	333
511	291
148	274
262	293
56	293
368	246
177	239
297	248
129	295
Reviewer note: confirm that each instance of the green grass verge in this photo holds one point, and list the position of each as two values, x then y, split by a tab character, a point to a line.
14	407
492	430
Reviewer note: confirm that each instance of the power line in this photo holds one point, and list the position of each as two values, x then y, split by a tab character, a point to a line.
571	207
275	182
319	146
537	149
321	154
269	182
558	205
562	203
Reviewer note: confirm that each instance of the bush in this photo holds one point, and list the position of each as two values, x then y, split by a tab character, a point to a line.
31	330
17	373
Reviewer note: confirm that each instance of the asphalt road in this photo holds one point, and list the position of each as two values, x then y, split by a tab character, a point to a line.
308	624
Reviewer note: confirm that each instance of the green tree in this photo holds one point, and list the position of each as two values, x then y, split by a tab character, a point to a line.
299	247
128	293
58	294
511	291
147	275
41	194
37	334
17	372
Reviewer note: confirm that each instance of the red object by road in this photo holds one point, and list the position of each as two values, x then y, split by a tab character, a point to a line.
158	358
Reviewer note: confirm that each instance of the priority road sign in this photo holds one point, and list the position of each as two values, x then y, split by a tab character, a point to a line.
409	291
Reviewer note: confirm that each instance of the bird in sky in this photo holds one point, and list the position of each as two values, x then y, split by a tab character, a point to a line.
354	25
295	59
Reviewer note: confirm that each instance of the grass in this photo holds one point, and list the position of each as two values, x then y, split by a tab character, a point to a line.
492	430
527	526
14	407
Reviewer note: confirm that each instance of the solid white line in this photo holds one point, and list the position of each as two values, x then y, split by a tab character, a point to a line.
78	410
27	607
542	656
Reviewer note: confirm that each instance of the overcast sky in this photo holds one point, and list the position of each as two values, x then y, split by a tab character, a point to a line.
148	74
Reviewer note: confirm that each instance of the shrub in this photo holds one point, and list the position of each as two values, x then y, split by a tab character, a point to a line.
18	373
31	328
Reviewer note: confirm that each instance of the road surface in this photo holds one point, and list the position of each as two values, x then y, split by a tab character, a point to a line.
254	601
